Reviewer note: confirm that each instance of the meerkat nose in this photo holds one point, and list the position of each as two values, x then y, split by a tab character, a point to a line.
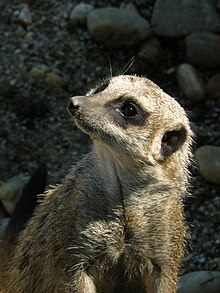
73	105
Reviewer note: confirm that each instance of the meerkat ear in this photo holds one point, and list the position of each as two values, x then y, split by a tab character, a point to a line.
172	140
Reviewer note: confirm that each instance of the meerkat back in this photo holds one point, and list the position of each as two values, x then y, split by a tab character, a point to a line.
115	224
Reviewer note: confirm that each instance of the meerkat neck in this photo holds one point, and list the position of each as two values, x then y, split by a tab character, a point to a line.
124	176
118	171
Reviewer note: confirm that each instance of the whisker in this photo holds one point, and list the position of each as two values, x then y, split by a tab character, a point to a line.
110	65
128	65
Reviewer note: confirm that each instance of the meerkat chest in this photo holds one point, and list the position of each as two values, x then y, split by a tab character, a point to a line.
116	226
112	239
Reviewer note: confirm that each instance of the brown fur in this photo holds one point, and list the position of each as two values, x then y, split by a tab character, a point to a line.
115	224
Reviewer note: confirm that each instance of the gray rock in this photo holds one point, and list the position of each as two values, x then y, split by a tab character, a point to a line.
171	18
208	159
213	86
24	16
200	282
190	82
79	13
202	48
10	191
117	27
129	6
3	225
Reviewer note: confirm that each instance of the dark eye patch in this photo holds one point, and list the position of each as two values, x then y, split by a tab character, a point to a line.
102	87
125	111
172	140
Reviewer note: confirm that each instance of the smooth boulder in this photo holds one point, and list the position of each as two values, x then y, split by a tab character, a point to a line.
213	86
79	13
200	282
190	82
10	191
208	159
118	27
179	18
203	49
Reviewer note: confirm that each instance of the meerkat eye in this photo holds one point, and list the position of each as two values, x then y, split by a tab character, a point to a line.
101	88
129	110
172	141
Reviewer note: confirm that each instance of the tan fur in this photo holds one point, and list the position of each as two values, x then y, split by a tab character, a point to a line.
115	224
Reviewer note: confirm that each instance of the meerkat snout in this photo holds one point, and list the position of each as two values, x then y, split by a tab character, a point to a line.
73	105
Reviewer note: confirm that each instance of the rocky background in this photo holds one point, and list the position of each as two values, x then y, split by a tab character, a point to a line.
52	50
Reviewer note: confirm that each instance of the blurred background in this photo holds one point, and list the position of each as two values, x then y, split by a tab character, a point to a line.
52	50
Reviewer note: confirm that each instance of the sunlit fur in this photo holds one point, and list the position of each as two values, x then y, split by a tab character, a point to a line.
115	224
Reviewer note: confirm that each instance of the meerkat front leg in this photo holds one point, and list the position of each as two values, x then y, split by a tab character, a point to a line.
82	284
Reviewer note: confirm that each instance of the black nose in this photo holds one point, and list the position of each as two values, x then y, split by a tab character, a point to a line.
73	106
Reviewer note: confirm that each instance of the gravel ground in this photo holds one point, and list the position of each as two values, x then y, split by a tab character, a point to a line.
36	127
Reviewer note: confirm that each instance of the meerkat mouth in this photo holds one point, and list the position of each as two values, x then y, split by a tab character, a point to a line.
93	132
87	128
83	126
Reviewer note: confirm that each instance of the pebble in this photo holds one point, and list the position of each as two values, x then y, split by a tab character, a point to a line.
78	15
20	32
200	282
190	82
213	86
208	159
53	79
150	50
38	71
24	16
171	18
11	190
202	49
149	54
118	27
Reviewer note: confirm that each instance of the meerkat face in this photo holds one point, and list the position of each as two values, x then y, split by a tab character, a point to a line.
133	117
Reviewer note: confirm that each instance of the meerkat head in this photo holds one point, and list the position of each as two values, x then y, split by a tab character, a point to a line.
135	119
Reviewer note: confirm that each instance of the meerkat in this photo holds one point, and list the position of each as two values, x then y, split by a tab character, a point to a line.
116	223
